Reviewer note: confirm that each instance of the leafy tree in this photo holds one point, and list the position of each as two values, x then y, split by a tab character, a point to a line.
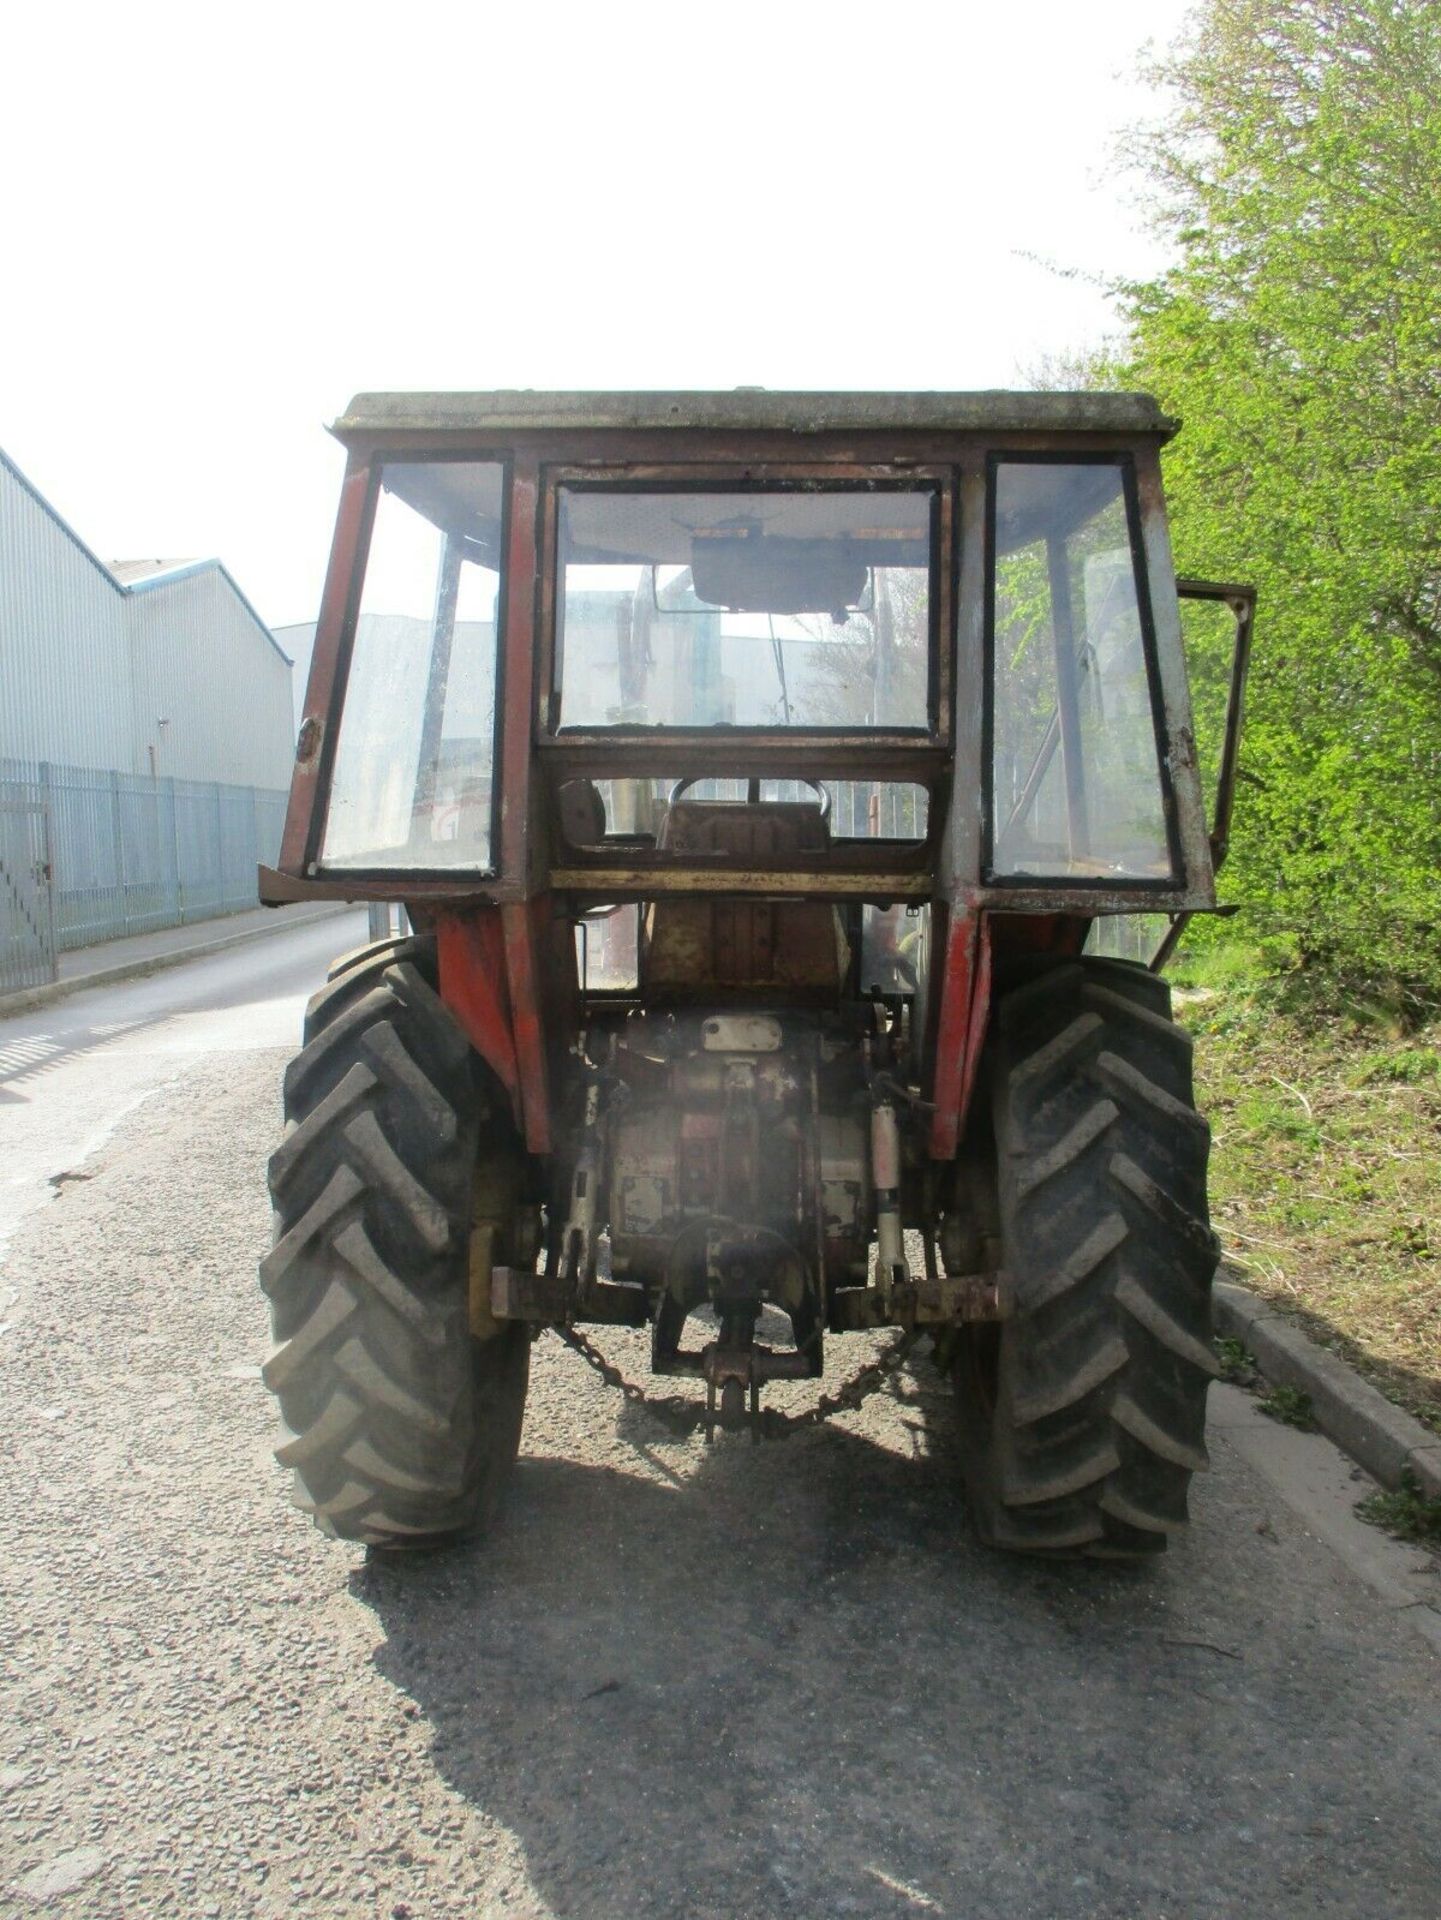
1298	335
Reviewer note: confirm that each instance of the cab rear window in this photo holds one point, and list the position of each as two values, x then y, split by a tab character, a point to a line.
807	608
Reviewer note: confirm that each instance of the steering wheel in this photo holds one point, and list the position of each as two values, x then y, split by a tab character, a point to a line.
753	791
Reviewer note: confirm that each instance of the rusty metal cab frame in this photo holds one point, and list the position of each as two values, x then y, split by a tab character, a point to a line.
505	937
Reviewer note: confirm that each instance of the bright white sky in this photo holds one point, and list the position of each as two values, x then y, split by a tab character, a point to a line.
218	223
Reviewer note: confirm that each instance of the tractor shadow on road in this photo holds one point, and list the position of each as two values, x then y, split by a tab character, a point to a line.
765	1679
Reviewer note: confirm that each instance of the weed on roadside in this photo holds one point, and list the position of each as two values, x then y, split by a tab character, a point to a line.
1238	1364
1408	1513
1291	1406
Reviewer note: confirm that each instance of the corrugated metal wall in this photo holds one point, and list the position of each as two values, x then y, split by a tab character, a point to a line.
299	642
199	662
64	665
110	821
88	668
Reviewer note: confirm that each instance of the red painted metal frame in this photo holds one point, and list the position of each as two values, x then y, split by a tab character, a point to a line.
965	1004
500	961
525	926
491	979
475	986
492	959
315	750
527	779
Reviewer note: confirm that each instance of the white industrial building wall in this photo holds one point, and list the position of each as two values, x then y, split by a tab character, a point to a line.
89	666
200	661
298	640
64	665
110	822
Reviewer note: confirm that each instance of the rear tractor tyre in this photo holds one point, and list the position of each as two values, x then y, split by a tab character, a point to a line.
1084	1411
398	1168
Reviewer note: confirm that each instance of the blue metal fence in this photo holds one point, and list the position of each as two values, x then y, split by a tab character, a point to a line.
90	855
27	925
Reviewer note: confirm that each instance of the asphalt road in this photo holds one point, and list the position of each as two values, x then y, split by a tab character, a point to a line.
745	1681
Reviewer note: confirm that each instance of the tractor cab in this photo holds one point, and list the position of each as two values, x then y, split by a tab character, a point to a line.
738	759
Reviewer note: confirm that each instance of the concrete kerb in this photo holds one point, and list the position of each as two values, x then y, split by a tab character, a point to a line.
1363	1423
33	997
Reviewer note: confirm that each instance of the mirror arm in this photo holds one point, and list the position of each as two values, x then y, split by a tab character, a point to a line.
1242	603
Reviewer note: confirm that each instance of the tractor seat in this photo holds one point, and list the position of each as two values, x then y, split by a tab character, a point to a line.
718	945
762	831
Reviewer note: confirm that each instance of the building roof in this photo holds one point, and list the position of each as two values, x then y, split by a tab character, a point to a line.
128	570
138	576
754	409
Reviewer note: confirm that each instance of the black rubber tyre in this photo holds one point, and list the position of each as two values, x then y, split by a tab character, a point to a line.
400	1427
1084	1412
399	945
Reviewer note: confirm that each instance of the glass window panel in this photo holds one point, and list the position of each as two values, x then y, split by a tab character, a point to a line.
607	950
412	781
1128	936
1075	778
877	810
895	949
859	809
803	608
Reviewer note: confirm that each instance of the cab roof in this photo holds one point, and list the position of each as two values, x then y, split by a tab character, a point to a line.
753	409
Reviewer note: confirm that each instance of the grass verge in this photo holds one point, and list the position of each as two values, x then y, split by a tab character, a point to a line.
1326	1167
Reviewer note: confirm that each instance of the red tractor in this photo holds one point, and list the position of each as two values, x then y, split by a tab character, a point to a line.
760	774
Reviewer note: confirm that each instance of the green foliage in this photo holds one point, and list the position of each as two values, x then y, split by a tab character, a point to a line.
1407	1513
1291	1406
1411	1066
1238	1365
1298	336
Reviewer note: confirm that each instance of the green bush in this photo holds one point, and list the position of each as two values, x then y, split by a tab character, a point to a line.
1296	335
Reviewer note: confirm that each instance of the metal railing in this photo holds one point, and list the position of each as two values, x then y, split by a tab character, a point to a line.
90	855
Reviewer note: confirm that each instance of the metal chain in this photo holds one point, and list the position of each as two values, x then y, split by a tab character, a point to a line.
673	1409
686	1416
851	1393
